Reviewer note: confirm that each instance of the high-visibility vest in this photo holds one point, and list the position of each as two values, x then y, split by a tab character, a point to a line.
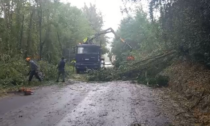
130	58
84	40
73	61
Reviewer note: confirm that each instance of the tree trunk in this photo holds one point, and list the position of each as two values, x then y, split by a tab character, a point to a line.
29	34
47	34
46	38
60	43
40	32
18	24
21	34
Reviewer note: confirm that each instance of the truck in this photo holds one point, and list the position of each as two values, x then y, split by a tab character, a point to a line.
88	54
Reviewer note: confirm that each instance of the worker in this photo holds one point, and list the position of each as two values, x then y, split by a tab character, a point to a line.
61	69
33	70
73	62
85	40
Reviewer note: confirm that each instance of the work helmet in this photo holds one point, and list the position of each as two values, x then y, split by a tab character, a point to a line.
28	59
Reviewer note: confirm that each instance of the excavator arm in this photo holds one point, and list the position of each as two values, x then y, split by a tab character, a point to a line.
109	30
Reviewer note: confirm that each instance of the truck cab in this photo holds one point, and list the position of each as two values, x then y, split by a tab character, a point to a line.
88	56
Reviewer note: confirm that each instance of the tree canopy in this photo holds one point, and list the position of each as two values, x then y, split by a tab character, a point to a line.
141	34
45	29
182	26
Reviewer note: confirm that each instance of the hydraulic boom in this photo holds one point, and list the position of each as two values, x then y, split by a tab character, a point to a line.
109	30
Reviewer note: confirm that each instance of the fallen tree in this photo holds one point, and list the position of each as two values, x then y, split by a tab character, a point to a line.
158	62
145	71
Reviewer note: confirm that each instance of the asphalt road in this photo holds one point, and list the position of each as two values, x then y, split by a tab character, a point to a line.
83	104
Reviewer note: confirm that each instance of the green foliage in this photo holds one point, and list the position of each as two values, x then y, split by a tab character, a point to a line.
45	29
13	72
103	75
185	27
162	81
141	80
69	70
113	74
49	70
94	17
41	29
151	81
141	34
95	20
182	26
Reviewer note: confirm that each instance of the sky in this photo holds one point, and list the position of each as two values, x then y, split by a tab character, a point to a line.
110	10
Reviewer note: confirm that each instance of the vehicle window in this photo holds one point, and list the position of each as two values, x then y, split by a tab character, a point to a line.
87	50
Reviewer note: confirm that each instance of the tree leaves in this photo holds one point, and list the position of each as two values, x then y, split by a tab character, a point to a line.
144	36
37	34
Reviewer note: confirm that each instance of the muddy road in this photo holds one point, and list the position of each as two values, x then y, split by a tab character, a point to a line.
83	104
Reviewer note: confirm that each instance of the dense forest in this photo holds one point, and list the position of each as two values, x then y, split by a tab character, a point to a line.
182	26
44	30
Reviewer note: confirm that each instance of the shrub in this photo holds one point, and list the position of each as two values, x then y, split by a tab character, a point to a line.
13	72
69	70
162	81
49	70
141	80
152	82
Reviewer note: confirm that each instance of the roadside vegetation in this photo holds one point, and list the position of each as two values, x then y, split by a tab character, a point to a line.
181	28
43	30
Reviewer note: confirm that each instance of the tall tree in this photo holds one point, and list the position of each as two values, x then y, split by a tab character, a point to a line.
95	21
142	34
39	27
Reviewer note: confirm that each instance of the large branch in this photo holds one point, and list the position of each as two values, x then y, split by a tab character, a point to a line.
140	66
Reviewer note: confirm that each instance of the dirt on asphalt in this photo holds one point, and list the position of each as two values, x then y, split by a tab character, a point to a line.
89	104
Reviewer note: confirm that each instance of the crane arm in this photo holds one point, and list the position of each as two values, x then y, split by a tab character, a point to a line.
109	30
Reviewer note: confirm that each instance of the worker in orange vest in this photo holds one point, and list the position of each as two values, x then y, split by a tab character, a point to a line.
33	70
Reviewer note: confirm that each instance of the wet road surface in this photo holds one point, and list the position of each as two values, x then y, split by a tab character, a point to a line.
83	104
